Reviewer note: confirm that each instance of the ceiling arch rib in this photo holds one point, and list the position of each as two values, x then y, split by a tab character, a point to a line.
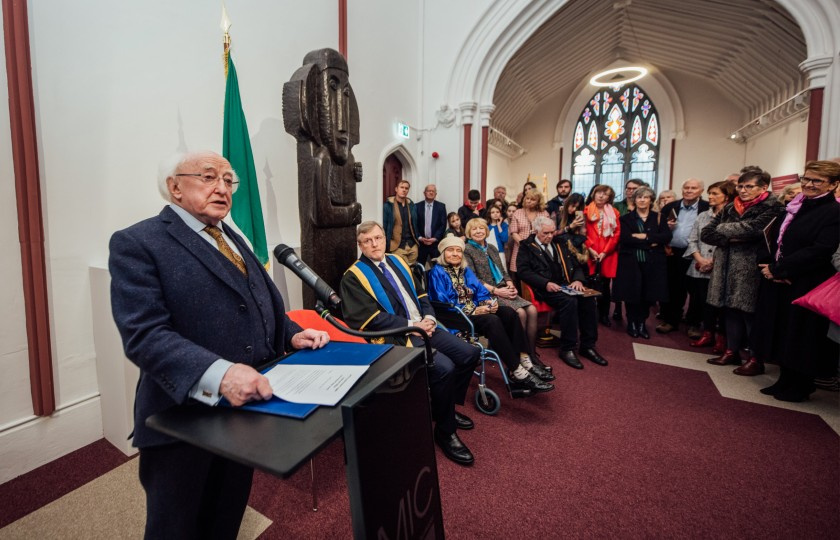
703	38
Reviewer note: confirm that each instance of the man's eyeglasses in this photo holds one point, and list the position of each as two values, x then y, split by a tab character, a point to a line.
813	181
372	240
212	179
742	187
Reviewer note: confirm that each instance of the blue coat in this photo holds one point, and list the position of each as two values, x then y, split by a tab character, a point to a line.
180	305
441	289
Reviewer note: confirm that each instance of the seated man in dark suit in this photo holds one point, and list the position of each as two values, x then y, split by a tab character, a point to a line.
378	292
547	263
196	311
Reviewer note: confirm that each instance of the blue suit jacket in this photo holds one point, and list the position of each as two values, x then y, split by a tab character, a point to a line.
180	306
438	219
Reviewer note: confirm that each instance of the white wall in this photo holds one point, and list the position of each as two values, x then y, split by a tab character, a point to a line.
14	351
118	86
781	149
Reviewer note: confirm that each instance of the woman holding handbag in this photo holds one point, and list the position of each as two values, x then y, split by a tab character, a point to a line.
802	243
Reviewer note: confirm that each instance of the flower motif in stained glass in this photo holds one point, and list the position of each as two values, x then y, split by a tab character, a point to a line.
614	127
592	138
653	130
595	102
646	108
637	96
625	99
578	136
636	133
613	156
585	158
607	100
643	155
587	114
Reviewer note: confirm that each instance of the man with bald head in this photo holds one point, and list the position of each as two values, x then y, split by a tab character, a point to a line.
681	215
196	312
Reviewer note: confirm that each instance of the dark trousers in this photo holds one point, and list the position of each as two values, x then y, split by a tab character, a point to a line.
637	312
573	313
678	290
712	316
191	493
425	252
739	326
502	329
604	299
450	377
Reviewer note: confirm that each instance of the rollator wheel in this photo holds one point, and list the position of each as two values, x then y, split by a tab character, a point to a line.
489	403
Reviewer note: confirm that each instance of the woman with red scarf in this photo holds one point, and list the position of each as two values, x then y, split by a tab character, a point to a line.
602	232
738	233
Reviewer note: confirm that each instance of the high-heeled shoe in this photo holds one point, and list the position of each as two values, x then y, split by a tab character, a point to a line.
720	344
727	358
751	367
706	339
631	330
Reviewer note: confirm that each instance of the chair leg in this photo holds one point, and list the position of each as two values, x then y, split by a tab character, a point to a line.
312	478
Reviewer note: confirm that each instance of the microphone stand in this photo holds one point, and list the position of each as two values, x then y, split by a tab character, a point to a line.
326	315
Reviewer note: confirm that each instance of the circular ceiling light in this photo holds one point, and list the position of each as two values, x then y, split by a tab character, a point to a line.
618	76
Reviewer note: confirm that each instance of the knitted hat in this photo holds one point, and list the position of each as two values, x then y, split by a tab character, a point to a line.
450	241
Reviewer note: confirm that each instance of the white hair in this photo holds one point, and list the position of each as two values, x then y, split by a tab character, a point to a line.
169	166
699	182
542	221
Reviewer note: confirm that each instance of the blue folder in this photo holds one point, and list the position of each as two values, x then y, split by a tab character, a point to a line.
335	353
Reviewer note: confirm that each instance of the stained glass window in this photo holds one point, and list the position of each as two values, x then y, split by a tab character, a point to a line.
616	138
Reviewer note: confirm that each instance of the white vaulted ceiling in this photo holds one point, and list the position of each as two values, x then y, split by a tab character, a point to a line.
749	49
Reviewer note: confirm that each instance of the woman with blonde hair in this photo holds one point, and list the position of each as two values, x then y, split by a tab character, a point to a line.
483	257
521	224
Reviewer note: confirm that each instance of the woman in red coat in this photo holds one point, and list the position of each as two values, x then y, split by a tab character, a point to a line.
602	230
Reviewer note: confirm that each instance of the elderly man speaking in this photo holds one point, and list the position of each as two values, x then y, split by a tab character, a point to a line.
196	311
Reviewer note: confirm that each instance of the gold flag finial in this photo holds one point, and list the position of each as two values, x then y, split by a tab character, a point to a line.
225	25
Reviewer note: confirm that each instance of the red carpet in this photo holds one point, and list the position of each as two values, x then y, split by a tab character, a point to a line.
632	450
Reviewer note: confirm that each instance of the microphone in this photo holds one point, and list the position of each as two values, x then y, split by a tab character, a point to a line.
286	256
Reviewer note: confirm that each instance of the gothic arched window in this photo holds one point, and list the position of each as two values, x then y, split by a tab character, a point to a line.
616	138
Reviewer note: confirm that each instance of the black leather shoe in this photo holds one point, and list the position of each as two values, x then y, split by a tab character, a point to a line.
593	355
631	330
795	393
643	331
537	362
540	373
617	315
571	359
776	387
454	448
531	383
462	421
605	320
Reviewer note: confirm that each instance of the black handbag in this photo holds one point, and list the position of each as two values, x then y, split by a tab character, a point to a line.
595	281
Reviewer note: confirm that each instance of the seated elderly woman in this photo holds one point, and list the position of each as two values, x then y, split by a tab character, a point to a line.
484	259
452	282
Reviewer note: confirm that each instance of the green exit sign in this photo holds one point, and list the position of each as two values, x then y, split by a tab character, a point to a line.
403	130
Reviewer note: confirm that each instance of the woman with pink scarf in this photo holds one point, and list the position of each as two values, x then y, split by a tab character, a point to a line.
803	242
602	230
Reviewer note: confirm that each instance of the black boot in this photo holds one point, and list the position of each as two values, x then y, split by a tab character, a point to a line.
632	331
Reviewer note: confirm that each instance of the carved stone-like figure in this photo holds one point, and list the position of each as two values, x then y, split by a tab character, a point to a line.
320	111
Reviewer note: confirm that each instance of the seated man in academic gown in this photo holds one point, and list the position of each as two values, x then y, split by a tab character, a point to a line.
547	264
378	292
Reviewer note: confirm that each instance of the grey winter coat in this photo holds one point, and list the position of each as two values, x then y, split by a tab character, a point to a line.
740	243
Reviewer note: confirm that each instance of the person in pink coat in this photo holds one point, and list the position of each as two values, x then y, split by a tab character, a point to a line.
602	231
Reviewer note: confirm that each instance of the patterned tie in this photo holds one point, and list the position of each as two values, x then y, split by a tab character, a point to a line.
225	248
396	287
